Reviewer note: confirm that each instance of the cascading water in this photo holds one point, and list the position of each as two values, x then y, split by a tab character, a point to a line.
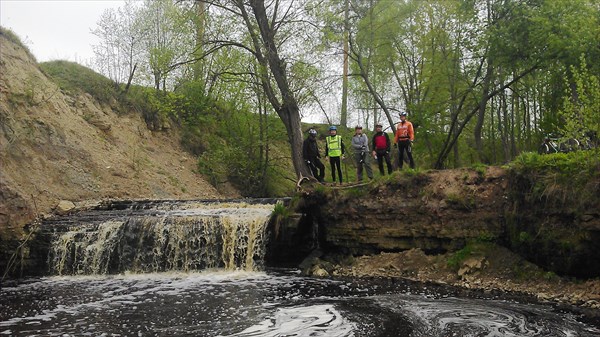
163	237
235	299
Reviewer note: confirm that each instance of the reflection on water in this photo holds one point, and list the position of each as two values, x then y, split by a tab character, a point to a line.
263	304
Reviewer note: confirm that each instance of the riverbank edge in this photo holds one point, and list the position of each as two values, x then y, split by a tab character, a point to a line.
475	274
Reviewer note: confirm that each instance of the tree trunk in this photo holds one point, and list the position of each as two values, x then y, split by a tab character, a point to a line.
200	31
130	79
451	141
344	110
287	109
481	114
363	73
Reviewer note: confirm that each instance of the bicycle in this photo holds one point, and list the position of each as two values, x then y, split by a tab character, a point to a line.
555	145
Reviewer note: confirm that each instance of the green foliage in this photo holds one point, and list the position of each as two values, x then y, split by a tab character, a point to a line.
461	201
236	146
137	99
281	211
486	237
458	257
279	216
581	107
75	78
410	172
234	164
559	177
480	169
357	192
524	237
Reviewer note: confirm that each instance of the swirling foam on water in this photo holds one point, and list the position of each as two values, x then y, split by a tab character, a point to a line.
473	317
252	304
308	321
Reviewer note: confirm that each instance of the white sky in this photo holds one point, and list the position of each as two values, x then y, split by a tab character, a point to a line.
55	29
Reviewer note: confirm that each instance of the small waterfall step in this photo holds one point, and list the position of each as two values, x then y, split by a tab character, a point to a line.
157	236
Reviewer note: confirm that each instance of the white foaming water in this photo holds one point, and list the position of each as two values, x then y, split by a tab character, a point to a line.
124	290
304	321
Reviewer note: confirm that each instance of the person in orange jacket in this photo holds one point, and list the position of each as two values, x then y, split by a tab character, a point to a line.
405	136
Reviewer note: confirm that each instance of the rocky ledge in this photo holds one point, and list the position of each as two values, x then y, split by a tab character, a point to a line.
486	267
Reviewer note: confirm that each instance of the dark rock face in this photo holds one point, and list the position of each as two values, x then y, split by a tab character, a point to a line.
435	212
441	211
554	234
14	211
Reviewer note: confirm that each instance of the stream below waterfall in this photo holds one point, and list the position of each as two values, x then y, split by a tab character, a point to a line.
272	303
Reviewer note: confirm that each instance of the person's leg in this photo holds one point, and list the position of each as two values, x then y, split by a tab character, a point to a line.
321	176
411	162
388	162
380	159
332	163
339	168
368	167
312	168
359	167
400	155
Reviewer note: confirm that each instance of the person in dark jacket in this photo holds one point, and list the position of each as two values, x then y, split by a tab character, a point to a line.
381	149
310	153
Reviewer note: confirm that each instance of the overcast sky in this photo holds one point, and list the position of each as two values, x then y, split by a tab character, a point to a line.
55	29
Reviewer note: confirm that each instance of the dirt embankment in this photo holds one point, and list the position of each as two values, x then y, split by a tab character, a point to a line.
57	147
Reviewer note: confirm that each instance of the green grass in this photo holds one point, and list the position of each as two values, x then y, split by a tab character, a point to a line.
480	169
75	79
459	256
14	38
558	178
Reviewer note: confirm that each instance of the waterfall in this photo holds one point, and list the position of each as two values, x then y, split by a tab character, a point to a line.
163	237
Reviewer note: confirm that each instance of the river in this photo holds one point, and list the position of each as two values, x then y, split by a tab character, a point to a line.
272	303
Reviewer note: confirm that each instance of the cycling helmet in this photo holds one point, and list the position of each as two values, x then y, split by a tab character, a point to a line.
333	127
358	127
403	113
312	132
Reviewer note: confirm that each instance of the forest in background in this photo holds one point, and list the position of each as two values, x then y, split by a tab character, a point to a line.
483	80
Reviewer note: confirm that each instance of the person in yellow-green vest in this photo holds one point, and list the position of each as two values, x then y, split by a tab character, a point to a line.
335	149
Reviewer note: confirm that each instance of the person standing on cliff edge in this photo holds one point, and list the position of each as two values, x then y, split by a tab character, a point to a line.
405	136
335	149
381	149
360	145
310	153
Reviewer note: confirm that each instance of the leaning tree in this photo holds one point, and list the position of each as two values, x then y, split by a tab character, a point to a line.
268	27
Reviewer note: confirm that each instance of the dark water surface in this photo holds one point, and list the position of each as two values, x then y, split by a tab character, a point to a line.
265	304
